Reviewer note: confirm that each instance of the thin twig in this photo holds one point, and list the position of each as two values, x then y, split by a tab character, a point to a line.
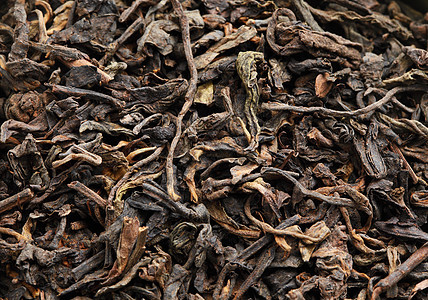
129	11
90	194
337	113
405	268
190	94
412	173
309	193
16	200
130	30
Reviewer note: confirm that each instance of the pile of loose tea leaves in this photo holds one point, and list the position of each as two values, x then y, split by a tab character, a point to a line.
241	149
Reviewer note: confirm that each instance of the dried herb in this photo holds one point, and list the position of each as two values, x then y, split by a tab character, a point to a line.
157	149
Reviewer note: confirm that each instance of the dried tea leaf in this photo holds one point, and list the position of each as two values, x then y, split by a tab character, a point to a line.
157	34
153	99
411	77
60	20
247	71
419	287
320	231
236	146
131	274
28	165
278	75
401	229
240	171
218	213
295	38
418	56
127	240
323	85
243	34
105	127
420	198
205	94
267	193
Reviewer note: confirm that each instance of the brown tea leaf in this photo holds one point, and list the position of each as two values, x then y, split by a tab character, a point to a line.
323	85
